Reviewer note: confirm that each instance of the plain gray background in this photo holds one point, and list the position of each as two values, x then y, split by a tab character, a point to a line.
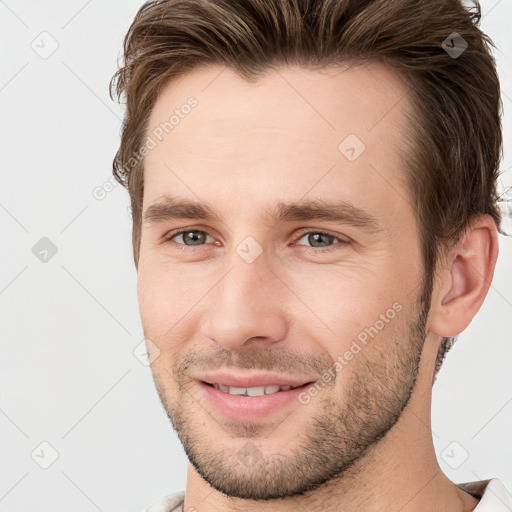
70	325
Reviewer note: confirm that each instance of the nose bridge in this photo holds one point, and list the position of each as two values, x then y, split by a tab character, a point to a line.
246	302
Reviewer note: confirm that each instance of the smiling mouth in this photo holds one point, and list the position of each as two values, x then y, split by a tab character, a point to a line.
254	391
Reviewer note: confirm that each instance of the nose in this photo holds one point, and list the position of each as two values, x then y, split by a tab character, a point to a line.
247	306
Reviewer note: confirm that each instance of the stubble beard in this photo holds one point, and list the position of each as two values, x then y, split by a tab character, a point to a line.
339	425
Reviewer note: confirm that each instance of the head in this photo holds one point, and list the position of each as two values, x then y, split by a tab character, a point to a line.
265	114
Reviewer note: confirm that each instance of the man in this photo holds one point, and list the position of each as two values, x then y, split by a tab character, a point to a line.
313	190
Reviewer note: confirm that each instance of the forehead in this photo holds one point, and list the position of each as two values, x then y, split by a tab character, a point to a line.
221	138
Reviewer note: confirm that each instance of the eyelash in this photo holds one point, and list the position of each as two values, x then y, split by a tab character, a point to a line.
172	235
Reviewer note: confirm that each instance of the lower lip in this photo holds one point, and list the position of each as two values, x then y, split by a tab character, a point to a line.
249	408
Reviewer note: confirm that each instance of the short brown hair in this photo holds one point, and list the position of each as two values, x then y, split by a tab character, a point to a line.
455	142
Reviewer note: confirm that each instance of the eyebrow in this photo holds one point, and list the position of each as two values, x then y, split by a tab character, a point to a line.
170	207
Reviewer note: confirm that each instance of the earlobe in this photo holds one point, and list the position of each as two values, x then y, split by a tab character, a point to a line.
464	281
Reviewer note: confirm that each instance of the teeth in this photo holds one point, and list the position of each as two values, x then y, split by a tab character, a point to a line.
255	391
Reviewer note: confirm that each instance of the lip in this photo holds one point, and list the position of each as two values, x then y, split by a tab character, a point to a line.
250	408
255	380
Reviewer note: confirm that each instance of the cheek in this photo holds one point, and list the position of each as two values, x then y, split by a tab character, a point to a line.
149	294
341	295
160	285
170	302
157	301
347	308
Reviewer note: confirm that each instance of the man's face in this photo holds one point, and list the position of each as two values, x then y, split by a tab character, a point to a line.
288	296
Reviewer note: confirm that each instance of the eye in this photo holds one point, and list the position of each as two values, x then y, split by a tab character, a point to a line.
324	242
190	237
319	239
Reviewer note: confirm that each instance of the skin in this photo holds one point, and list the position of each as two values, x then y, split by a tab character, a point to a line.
364	442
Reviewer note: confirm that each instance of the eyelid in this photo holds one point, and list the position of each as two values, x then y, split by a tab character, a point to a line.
339	237
172	234
342	239
319	251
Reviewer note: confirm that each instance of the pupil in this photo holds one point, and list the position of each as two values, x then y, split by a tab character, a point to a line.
313	238
195	236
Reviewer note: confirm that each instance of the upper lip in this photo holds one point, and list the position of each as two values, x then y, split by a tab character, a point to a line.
253	380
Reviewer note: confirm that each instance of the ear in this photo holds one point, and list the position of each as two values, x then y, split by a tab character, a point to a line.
463	278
